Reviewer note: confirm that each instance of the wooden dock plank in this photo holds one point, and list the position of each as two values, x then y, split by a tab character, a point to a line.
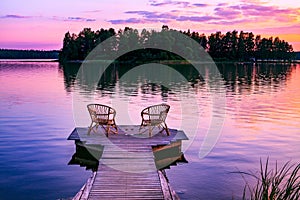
127	168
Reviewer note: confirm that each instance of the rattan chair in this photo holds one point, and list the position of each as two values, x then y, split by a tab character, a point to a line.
155	115
102	115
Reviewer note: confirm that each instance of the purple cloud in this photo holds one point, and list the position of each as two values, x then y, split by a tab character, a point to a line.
159	4
262	10
136	21
200	4
90	20
183	4
15	16
165	17
79	19
125	21
255	12
153	15
227	12
232	22
56	18
222	4
93	11
197	18
138	12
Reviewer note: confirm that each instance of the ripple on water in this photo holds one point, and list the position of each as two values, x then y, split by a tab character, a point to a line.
262	120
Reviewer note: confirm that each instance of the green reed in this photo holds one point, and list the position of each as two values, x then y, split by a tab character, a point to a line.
281	183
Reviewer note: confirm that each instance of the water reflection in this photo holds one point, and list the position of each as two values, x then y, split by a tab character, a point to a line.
70	71
249	78
115	72
88	155
239	77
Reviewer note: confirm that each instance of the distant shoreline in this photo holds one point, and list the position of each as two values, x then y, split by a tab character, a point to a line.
13	55
161	62
28	60
182	61
25	55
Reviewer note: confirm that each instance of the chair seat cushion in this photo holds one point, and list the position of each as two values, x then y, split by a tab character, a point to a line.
105	121
152	122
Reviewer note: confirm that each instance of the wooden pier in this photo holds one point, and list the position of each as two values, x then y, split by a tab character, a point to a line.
127	167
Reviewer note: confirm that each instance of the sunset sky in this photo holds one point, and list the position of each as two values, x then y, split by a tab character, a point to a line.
35	24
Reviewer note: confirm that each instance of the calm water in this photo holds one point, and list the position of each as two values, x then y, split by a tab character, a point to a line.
262	120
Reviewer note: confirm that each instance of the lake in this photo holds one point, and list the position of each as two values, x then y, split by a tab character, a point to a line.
42	102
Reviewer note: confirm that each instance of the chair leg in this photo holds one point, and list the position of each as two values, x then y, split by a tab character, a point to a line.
166	128
115	127
107	129
96	126
90	128
150	130
162	128
140	128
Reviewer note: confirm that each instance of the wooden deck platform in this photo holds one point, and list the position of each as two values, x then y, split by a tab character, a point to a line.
127	168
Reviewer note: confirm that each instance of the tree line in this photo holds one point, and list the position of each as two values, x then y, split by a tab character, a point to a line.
233	45
28	54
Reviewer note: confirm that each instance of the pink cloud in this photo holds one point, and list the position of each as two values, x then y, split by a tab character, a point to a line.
263	10
227	12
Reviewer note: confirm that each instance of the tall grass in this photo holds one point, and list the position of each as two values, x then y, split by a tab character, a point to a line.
281	183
